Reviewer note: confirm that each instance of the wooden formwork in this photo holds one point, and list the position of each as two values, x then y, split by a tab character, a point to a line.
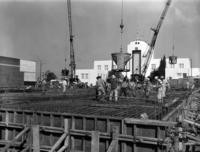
87	133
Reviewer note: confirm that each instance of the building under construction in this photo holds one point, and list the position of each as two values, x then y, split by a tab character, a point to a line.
74	121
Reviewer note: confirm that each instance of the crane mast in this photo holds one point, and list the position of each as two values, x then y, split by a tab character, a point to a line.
71	38
155	35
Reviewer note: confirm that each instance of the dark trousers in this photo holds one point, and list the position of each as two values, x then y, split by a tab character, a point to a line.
124	91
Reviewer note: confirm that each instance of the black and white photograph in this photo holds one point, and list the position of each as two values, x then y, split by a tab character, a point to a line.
99	75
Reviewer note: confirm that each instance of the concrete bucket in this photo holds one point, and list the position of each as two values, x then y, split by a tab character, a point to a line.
120	61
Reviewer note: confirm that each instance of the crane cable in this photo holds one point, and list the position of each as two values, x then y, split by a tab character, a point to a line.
122	26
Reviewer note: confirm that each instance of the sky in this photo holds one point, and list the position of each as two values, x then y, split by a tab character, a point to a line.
38	29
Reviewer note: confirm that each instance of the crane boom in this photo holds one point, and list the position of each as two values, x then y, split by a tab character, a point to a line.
155	35
71	38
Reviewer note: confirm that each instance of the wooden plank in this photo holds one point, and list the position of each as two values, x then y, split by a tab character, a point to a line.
95	141
149	122
36	138
57	144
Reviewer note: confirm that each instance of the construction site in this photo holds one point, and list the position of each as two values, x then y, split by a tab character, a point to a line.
75	117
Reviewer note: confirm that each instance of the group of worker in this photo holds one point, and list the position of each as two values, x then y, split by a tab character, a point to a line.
115	87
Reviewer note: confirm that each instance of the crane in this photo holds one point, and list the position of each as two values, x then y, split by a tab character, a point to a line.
155	35
71	38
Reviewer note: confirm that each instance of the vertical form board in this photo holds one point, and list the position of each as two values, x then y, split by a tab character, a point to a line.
28	118
146	131
46	119
90	124
57	119
45	137
36	138
116	123
19	117
78	123
95	141
101	125
102	145
6	121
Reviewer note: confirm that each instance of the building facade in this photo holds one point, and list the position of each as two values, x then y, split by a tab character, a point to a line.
16	72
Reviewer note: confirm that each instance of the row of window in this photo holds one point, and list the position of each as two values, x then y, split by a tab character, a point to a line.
84	75
105	67
181	66
103	76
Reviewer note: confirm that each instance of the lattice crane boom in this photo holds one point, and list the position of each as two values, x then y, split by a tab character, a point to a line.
71	38
154	38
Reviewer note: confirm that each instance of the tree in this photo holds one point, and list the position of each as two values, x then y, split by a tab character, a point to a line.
160	71
50	75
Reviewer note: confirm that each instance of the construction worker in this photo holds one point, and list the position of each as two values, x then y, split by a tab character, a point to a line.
132	87
164	86
64	85
100	88
147	87
113	88
160	92
124	86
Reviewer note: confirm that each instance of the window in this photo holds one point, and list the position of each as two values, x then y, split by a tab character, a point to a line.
82	75
179	74
181	65
172	65
106	67
99	67
153	66
86	76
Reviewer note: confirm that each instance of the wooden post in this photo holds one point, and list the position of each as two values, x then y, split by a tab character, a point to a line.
72	138
36	138
6	121
95	141
66	129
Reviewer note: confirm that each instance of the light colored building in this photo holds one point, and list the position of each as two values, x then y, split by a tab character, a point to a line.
196	72
101	67
29	70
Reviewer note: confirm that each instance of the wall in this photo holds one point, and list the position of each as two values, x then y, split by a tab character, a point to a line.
10	75
29	69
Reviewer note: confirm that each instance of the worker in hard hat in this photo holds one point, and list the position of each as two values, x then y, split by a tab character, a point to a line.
113	88
132	87
100	88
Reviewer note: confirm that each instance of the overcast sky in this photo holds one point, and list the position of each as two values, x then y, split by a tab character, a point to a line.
33	29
